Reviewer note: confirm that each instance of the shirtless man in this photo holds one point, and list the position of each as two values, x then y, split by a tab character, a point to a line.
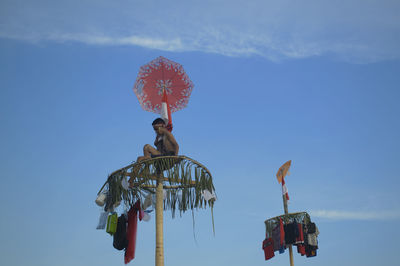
165	143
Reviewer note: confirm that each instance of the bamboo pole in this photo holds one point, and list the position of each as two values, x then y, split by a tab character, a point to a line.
285	207
159	222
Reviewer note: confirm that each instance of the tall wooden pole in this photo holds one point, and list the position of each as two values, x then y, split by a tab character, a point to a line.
159	222
285	207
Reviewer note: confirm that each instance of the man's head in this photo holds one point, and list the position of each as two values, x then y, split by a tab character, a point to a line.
159	122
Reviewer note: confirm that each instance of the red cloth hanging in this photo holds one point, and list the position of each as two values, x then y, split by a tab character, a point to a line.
301	249
300	238
282	231
268	247
300	241
132	231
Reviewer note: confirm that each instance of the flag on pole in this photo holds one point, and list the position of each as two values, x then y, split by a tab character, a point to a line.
166	111
284	189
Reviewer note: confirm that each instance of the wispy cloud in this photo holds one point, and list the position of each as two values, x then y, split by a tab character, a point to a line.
148	42
348	30
356	215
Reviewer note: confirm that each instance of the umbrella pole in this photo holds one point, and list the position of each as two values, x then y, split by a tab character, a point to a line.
159	222
285	207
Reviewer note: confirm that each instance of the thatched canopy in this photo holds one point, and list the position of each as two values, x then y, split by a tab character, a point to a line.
184	181
299	217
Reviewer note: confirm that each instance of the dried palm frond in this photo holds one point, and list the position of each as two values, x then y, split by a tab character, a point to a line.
184	180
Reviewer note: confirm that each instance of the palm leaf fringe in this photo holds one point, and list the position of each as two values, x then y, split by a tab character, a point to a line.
184	180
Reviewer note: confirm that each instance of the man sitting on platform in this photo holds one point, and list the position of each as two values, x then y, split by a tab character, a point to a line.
165	142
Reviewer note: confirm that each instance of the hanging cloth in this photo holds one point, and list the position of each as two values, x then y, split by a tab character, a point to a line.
312	238
120	240
278	236
301	248
282	232
132	231
102	220
300	238
268	247
291	232
112	220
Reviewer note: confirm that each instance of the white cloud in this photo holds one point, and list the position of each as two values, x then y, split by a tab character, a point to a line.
356	215
153	43
352	30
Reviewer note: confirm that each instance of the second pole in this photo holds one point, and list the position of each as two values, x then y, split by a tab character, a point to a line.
285	207
159	222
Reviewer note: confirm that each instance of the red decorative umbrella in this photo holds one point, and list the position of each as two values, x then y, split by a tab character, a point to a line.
162	79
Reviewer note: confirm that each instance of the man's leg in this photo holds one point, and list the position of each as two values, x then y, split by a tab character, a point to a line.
148	150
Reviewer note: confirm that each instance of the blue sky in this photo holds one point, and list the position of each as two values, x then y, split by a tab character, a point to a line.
315	82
